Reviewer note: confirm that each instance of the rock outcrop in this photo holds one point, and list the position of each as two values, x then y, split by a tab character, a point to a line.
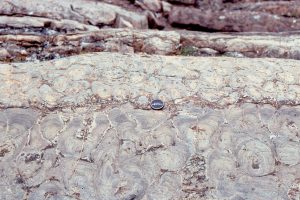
35	46
77	79
81	128
203	15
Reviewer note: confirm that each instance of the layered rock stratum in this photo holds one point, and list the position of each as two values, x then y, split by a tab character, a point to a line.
77	79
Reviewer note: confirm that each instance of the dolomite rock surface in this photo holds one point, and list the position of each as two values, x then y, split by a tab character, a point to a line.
81	128
38	46
82	12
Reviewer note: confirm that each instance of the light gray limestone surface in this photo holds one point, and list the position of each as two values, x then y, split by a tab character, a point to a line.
81	128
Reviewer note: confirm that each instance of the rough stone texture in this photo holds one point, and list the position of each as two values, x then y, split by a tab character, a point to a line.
87	12
33	46
199	15
80	79
232	20
154	5
38	22
81	128
166	7
249	45
283	8
122	23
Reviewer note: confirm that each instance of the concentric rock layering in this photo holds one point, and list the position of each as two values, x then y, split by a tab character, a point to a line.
81	128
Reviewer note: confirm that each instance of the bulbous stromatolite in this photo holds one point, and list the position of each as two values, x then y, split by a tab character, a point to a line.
254	157
94	142
117	154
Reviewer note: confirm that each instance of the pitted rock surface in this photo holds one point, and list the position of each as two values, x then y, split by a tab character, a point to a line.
82	128
113	77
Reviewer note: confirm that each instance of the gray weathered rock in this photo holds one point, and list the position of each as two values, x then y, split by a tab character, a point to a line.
91	12
251	45
232	20
154	5
122	23
283	8
24	46
166	7
39	22
81	128
99	77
